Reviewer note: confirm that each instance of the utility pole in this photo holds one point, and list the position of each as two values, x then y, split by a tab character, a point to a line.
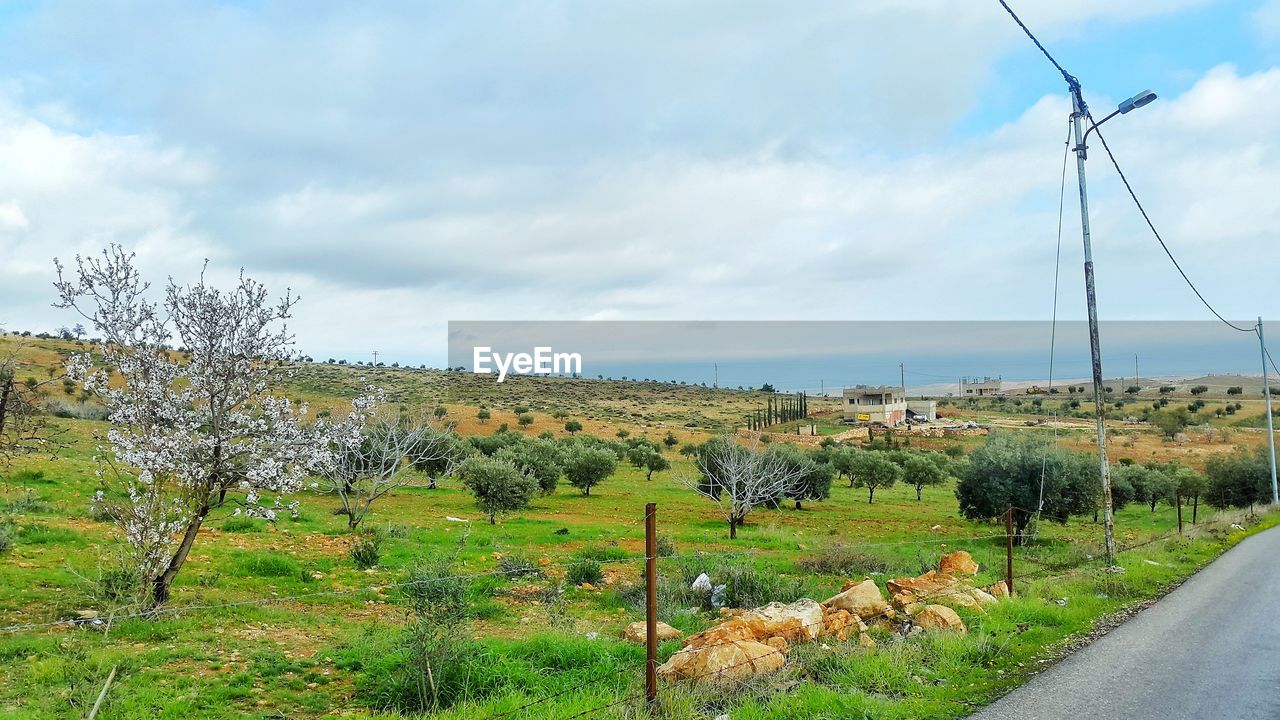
375	358
1135	370
1271	431
902	377
1078	117
716	383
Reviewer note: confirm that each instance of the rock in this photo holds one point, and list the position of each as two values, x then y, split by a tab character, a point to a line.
862	599
636	632
587	586
982	596
998	590
864	640
725	632
940	617
731	612
719	597
957	563
801	620
87	614
778	643
840	624
721	662
702	584
905	591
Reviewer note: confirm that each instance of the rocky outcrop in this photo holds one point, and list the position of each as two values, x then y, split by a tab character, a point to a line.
957	563
636	632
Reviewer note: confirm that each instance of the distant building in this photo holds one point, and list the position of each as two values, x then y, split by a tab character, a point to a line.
973	387
885	405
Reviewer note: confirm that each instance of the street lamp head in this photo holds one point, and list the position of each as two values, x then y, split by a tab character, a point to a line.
1143	98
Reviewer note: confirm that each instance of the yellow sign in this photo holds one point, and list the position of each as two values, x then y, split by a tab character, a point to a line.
865	417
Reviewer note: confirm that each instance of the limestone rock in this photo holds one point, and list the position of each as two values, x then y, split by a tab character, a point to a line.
906	591
725	632
940	617
862	599
723	662
982	596
957	563
998	590
864	640
841	624
636	632
778	643
801	620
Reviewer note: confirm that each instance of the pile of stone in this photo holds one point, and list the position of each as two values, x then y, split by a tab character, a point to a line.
755	641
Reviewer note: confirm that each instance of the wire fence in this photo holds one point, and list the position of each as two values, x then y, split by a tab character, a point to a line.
1044	570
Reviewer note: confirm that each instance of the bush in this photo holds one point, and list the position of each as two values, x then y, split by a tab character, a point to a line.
120	584
666	546
6	537
844	562
518	566
585	570
366	549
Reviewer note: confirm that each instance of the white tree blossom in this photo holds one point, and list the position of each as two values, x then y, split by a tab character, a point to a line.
369	454
188	434
738	478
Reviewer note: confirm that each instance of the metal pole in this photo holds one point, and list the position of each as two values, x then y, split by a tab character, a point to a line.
1078	116
651	603
1271	431
1008	549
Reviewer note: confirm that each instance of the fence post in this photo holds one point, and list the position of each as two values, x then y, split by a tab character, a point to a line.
651	604
1177	500
1008	549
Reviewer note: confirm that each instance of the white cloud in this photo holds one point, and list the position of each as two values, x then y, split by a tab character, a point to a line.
506	164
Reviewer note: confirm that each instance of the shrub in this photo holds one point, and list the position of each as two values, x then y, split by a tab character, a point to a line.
585	570
666	546
120	583
6	537
844	562
498	485
518	566
366	549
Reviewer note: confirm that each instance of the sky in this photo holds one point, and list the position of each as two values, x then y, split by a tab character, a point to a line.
403	165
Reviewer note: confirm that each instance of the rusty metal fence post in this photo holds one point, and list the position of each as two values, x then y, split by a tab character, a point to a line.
651	604
1008	548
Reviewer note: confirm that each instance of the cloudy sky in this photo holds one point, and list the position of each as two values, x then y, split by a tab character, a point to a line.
403	165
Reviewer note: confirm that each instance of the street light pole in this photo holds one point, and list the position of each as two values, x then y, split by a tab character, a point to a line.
1078	117
1271	432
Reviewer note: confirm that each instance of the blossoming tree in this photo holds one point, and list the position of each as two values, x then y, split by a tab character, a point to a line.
188	435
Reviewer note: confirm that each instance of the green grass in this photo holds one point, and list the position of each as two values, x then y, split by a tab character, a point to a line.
252	651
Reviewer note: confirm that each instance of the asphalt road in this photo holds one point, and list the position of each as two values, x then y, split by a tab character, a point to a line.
1210	649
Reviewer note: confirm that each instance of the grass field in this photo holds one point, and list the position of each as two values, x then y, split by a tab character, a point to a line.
277	620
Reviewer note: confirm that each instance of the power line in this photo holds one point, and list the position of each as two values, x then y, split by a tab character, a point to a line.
1155	232
1071	79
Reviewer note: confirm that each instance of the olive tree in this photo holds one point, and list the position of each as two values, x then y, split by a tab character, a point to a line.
1008	472
499	487
1239	480
873	469
541	458
187	437
586	466
1191	484
645	455
811	479
924	469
